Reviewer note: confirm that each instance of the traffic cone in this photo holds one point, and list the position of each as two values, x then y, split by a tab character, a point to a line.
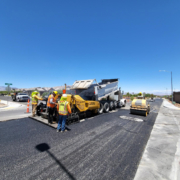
27	107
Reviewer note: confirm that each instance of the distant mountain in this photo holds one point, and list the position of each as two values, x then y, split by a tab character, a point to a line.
3	88
62	87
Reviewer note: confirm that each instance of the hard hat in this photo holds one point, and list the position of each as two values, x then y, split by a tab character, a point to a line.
34	92
55	92
64	97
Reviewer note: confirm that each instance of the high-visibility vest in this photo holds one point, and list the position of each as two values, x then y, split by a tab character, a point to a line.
48	102
63	107
34	99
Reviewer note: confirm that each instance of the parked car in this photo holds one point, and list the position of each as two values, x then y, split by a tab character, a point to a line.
20	97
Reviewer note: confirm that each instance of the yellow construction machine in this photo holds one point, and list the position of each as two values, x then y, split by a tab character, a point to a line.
87	98
80	107
139	106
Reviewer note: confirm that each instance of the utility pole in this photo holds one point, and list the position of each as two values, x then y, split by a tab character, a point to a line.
8	86
171	86
171	82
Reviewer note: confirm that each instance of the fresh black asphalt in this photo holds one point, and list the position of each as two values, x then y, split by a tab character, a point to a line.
104	147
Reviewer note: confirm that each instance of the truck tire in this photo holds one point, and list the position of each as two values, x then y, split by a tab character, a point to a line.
111	104
124	104
118	104
100	110
106	107
114	105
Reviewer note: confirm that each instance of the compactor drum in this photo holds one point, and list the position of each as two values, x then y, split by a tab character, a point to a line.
139	106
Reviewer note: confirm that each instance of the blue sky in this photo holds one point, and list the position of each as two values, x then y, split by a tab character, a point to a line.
48	43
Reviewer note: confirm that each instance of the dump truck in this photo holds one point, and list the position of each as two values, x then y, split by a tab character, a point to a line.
106	93
140	106
87	98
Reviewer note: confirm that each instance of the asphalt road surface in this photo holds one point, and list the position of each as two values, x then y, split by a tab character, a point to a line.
14	113
108	146
9	98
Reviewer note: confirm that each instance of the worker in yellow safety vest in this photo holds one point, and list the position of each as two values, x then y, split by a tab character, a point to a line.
35	99
64	109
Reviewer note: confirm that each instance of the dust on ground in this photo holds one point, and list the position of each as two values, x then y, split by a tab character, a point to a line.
2	105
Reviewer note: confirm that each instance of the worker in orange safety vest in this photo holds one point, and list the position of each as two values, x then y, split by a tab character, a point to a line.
51	103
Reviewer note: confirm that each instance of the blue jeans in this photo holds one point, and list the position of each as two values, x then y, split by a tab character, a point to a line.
62	122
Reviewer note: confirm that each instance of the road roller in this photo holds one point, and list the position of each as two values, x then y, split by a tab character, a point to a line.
140	106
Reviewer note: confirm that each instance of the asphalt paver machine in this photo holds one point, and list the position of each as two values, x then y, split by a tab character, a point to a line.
87	98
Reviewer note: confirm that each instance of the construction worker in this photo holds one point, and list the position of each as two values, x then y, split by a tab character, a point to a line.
64	108
51	105
35	99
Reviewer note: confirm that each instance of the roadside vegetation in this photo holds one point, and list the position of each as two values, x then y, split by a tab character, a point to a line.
6	92
47	93
134	96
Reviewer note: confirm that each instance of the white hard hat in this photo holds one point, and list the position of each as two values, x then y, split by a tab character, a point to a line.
64	95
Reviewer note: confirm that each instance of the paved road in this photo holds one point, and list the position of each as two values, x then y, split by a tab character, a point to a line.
103	147
9	113
8	98
15	113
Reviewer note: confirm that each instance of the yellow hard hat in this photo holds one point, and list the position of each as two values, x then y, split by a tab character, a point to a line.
34	92
55	92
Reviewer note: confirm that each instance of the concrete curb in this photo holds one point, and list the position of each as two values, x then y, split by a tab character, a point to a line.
10	104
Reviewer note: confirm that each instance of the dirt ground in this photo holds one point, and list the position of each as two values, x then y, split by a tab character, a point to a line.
176	104
2	105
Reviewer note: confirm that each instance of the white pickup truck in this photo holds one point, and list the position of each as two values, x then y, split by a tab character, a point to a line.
20	97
